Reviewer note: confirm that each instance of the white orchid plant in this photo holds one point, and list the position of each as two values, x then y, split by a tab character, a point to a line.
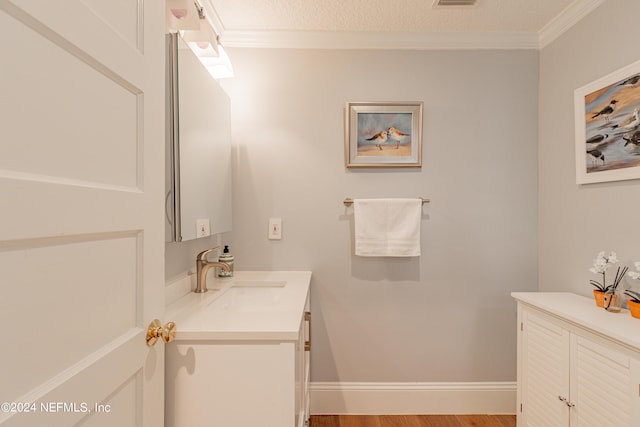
635	296
600	266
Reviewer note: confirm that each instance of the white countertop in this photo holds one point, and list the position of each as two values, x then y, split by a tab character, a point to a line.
254	312
583	311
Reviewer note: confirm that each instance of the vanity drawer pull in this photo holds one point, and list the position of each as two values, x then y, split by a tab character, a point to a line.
307	343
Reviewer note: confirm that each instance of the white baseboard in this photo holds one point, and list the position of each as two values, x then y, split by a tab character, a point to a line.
412	398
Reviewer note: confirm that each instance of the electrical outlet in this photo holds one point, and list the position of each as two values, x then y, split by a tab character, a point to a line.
203	228
275	228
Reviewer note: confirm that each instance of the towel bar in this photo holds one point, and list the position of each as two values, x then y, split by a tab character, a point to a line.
348	201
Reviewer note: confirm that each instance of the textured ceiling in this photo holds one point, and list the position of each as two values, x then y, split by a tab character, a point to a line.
371	17
386	15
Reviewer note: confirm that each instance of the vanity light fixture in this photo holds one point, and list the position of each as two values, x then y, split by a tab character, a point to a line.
181	15
204	40
200	36
205	44
220	67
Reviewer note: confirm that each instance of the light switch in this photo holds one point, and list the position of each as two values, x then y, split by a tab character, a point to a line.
203	228
275	228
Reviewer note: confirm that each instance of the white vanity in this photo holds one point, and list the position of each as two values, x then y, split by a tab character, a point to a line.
578	365
241	355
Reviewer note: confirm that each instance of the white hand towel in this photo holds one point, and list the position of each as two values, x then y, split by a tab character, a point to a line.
387	227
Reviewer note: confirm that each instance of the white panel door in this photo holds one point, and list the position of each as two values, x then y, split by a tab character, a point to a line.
545	373
81	228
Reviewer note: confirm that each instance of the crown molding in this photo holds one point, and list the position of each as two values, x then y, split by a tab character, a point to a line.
377	40
401	40
573	14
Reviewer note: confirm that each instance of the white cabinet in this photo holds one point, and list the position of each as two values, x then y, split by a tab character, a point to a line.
578	365
239	383
303	369
241	355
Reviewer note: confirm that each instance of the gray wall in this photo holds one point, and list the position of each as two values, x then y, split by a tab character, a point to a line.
578	221
446	316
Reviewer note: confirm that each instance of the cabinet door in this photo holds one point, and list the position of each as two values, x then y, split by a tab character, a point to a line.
603	388
306	378
303	348
545	372
299	368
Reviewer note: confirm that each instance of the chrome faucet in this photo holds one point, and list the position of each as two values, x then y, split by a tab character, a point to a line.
202	267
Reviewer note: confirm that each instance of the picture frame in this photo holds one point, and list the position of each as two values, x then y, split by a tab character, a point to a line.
607	127
383	134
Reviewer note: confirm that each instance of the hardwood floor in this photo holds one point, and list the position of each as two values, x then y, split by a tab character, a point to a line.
413	421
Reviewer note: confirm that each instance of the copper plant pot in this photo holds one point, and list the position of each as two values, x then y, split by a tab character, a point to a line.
599	297
634	309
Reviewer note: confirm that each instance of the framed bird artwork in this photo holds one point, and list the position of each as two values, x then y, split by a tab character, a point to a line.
607	120
383	134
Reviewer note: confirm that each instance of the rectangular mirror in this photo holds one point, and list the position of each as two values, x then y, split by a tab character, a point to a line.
198	165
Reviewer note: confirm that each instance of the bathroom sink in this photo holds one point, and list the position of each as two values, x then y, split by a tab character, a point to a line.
251	305
251	296
259	283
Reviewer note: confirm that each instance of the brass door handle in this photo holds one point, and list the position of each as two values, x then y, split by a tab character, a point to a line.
156	331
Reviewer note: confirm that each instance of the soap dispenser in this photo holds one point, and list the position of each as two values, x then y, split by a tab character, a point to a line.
227	258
